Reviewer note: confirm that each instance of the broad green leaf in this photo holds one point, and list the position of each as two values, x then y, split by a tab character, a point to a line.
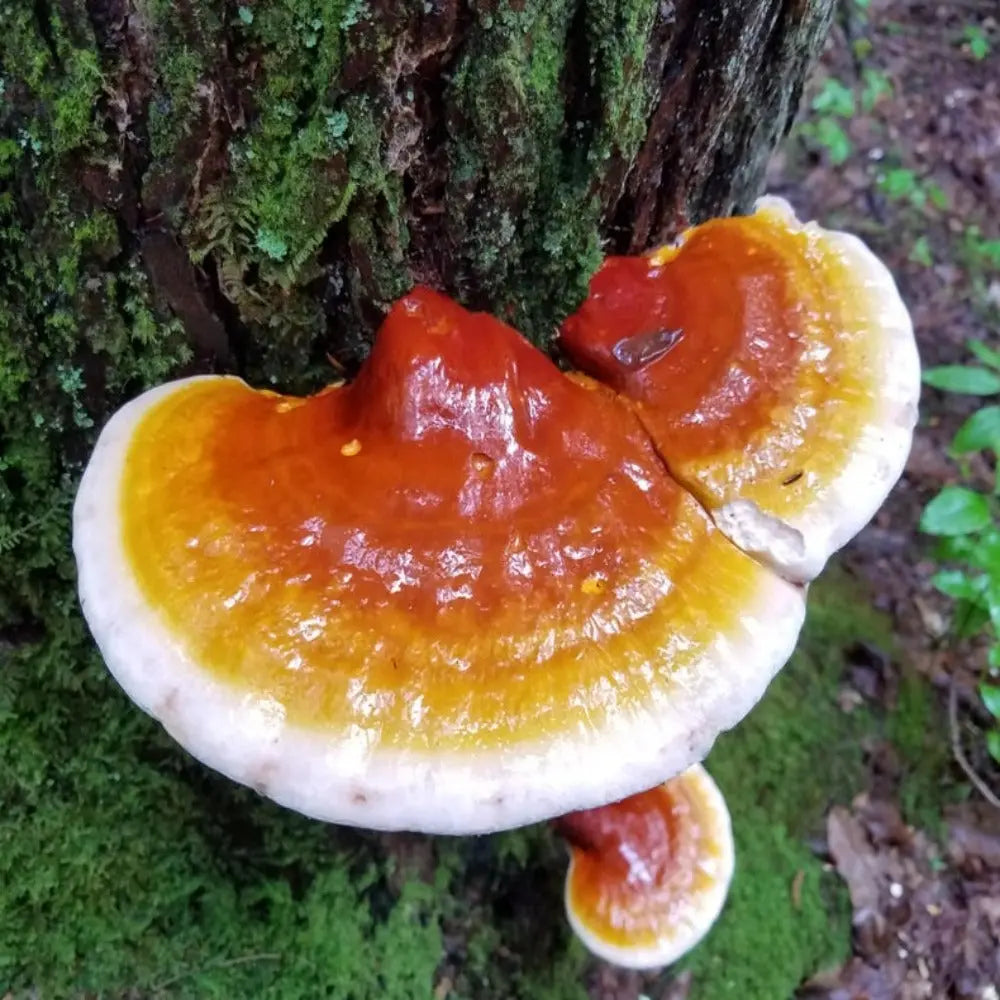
987	355
955	511
970	619
958	549
963	378
993	603
981	430
993	744
990	693
958	584
993	657
980	550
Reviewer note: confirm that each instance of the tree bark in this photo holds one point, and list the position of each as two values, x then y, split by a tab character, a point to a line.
281	170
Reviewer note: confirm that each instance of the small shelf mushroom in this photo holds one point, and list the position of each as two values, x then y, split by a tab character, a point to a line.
648	876
774	366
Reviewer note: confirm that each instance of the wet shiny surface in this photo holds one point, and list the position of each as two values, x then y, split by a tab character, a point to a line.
641	867
767	389
465	547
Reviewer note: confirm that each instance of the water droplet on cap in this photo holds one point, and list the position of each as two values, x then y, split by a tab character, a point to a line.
644	348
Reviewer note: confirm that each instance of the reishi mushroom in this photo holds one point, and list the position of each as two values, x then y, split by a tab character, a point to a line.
774	366
469	591
457	595
649	875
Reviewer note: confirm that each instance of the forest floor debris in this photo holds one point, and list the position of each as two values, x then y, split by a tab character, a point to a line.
899	141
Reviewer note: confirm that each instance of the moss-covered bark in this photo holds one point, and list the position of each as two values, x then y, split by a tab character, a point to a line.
282	169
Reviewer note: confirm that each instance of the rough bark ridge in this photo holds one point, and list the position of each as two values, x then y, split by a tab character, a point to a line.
281	169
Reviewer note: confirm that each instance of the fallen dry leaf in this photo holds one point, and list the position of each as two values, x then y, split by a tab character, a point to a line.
856	861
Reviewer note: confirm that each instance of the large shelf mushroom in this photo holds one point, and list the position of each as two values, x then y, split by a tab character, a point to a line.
465	592
774	366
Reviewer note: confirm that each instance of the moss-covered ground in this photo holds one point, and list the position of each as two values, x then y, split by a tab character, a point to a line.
126	866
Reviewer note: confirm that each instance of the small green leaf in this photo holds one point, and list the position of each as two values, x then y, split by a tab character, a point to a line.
957	549
963	378
980	550
876	86
970	619
834	139
958	584
921	252
993	603
993	744
835	99
980	431
985	354
245	14
955	511
937	196
898	182
990	693
993	657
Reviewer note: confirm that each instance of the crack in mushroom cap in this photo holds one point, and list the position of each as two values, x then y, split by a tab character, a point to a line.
648	876
459	594
787	397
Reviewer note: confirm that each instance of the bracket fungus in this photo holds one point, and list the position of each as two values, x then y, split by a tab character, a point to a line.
459	594
469	591
773	364
649	875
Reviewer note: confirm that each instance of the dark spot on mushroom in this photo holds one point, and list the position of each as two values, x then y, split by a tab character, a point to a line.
260	777
359	798
644	348
168	705
793	478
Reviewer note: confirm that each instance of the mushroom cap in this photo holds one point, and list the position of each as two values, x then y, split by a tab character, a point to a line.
460	594
648	876
775	368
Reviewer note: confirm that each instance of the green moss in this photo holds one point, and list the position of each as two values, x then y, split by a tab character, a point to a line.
766	942
918	729
174	105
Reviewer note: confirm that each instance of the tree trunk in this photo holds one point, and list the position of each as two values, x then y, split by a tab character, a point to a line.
277	172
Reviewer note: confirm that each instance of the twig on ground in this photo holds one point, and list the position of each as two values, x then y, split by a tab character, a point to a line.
959	754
